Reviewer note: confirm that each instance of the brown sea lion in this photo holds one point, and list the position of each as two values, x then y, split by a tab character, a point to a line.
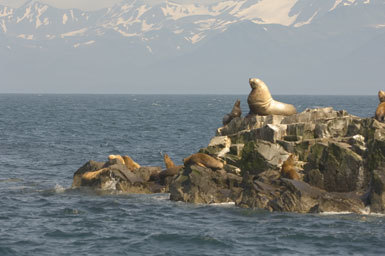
93	175
115	159
203	160
381	96
261	103
288	168
171	168
130	164
170	171
380	111
168	162
235	112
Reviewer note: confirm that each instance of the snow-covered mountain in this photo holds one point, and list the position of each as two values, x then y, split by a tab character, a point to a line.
166	41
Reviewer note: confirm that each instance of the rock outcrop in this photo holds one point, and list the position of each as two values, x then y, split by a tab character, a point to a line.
117	177
339	159
197	184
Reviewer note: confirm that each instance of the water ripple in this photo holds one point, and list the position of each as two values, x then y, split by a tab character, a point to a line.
44	140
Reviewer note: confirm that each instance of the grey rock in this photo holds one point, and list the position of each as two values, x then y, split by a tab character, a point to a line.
377	192
198	184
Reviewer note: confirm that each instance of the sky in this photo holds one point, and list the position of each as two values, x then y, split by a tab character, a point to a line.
88	5
80	4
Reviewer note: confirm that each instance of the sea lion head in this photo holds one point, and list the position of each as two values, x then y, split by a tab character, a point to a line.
255	82
381	96
260	94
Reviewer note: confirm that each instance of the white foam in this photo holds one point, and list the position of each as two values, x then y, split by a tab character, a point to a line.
365	211
59	189
335	213
224	204
110	184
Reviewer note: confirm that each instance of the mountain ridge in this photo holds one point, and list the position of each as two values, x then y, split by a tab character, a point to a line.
217	43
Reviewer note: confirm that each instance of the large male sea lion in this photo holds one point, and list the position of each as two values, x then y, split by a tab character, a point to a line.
261	103
380	111
235	112
288	168
203	160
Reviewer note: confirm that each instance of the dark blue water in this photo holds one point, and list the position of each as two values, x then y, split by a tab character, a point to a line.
45	139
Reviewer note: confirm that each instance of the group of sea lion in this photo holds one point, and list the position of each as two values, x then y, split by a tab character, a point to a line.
200	159
262	103
125	160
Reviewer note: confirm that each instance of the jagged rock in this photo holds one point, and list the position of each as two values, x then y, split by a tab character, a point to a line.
296	196
341	159
90	166
236	149
341	152
218	146
340	168
196	184
260	155
377	193
148	173
110	176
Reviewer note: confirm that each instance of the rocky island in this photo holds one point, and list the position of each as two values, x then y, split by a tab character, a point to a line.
320	160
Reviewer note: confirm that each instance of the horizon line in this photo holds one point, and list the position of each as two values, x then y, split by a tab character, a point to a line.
184	94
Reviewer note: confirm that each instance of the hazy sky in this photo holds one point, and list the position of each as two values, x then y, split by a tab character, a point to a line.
90	4
81	4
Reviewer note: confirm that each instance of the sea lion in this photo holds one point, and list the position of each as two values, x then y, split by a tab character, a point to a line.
168	162
171	168
130	164
261	103
93	175
381	96
235	112
115	159
170	171
380	111
288	168
203	160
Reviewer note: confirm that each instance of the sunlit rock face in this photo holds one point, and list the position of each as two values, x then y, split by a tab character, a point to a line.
339	161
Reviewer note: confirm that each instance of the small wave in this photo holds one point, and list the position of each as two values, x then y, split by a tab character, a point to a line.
365	212
59	189
335	213
161	197
70	211
377	214
224	204
7	251
11	180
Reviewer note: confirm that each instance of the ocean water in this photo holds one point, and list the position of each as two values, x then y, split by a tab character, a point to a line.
44	139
